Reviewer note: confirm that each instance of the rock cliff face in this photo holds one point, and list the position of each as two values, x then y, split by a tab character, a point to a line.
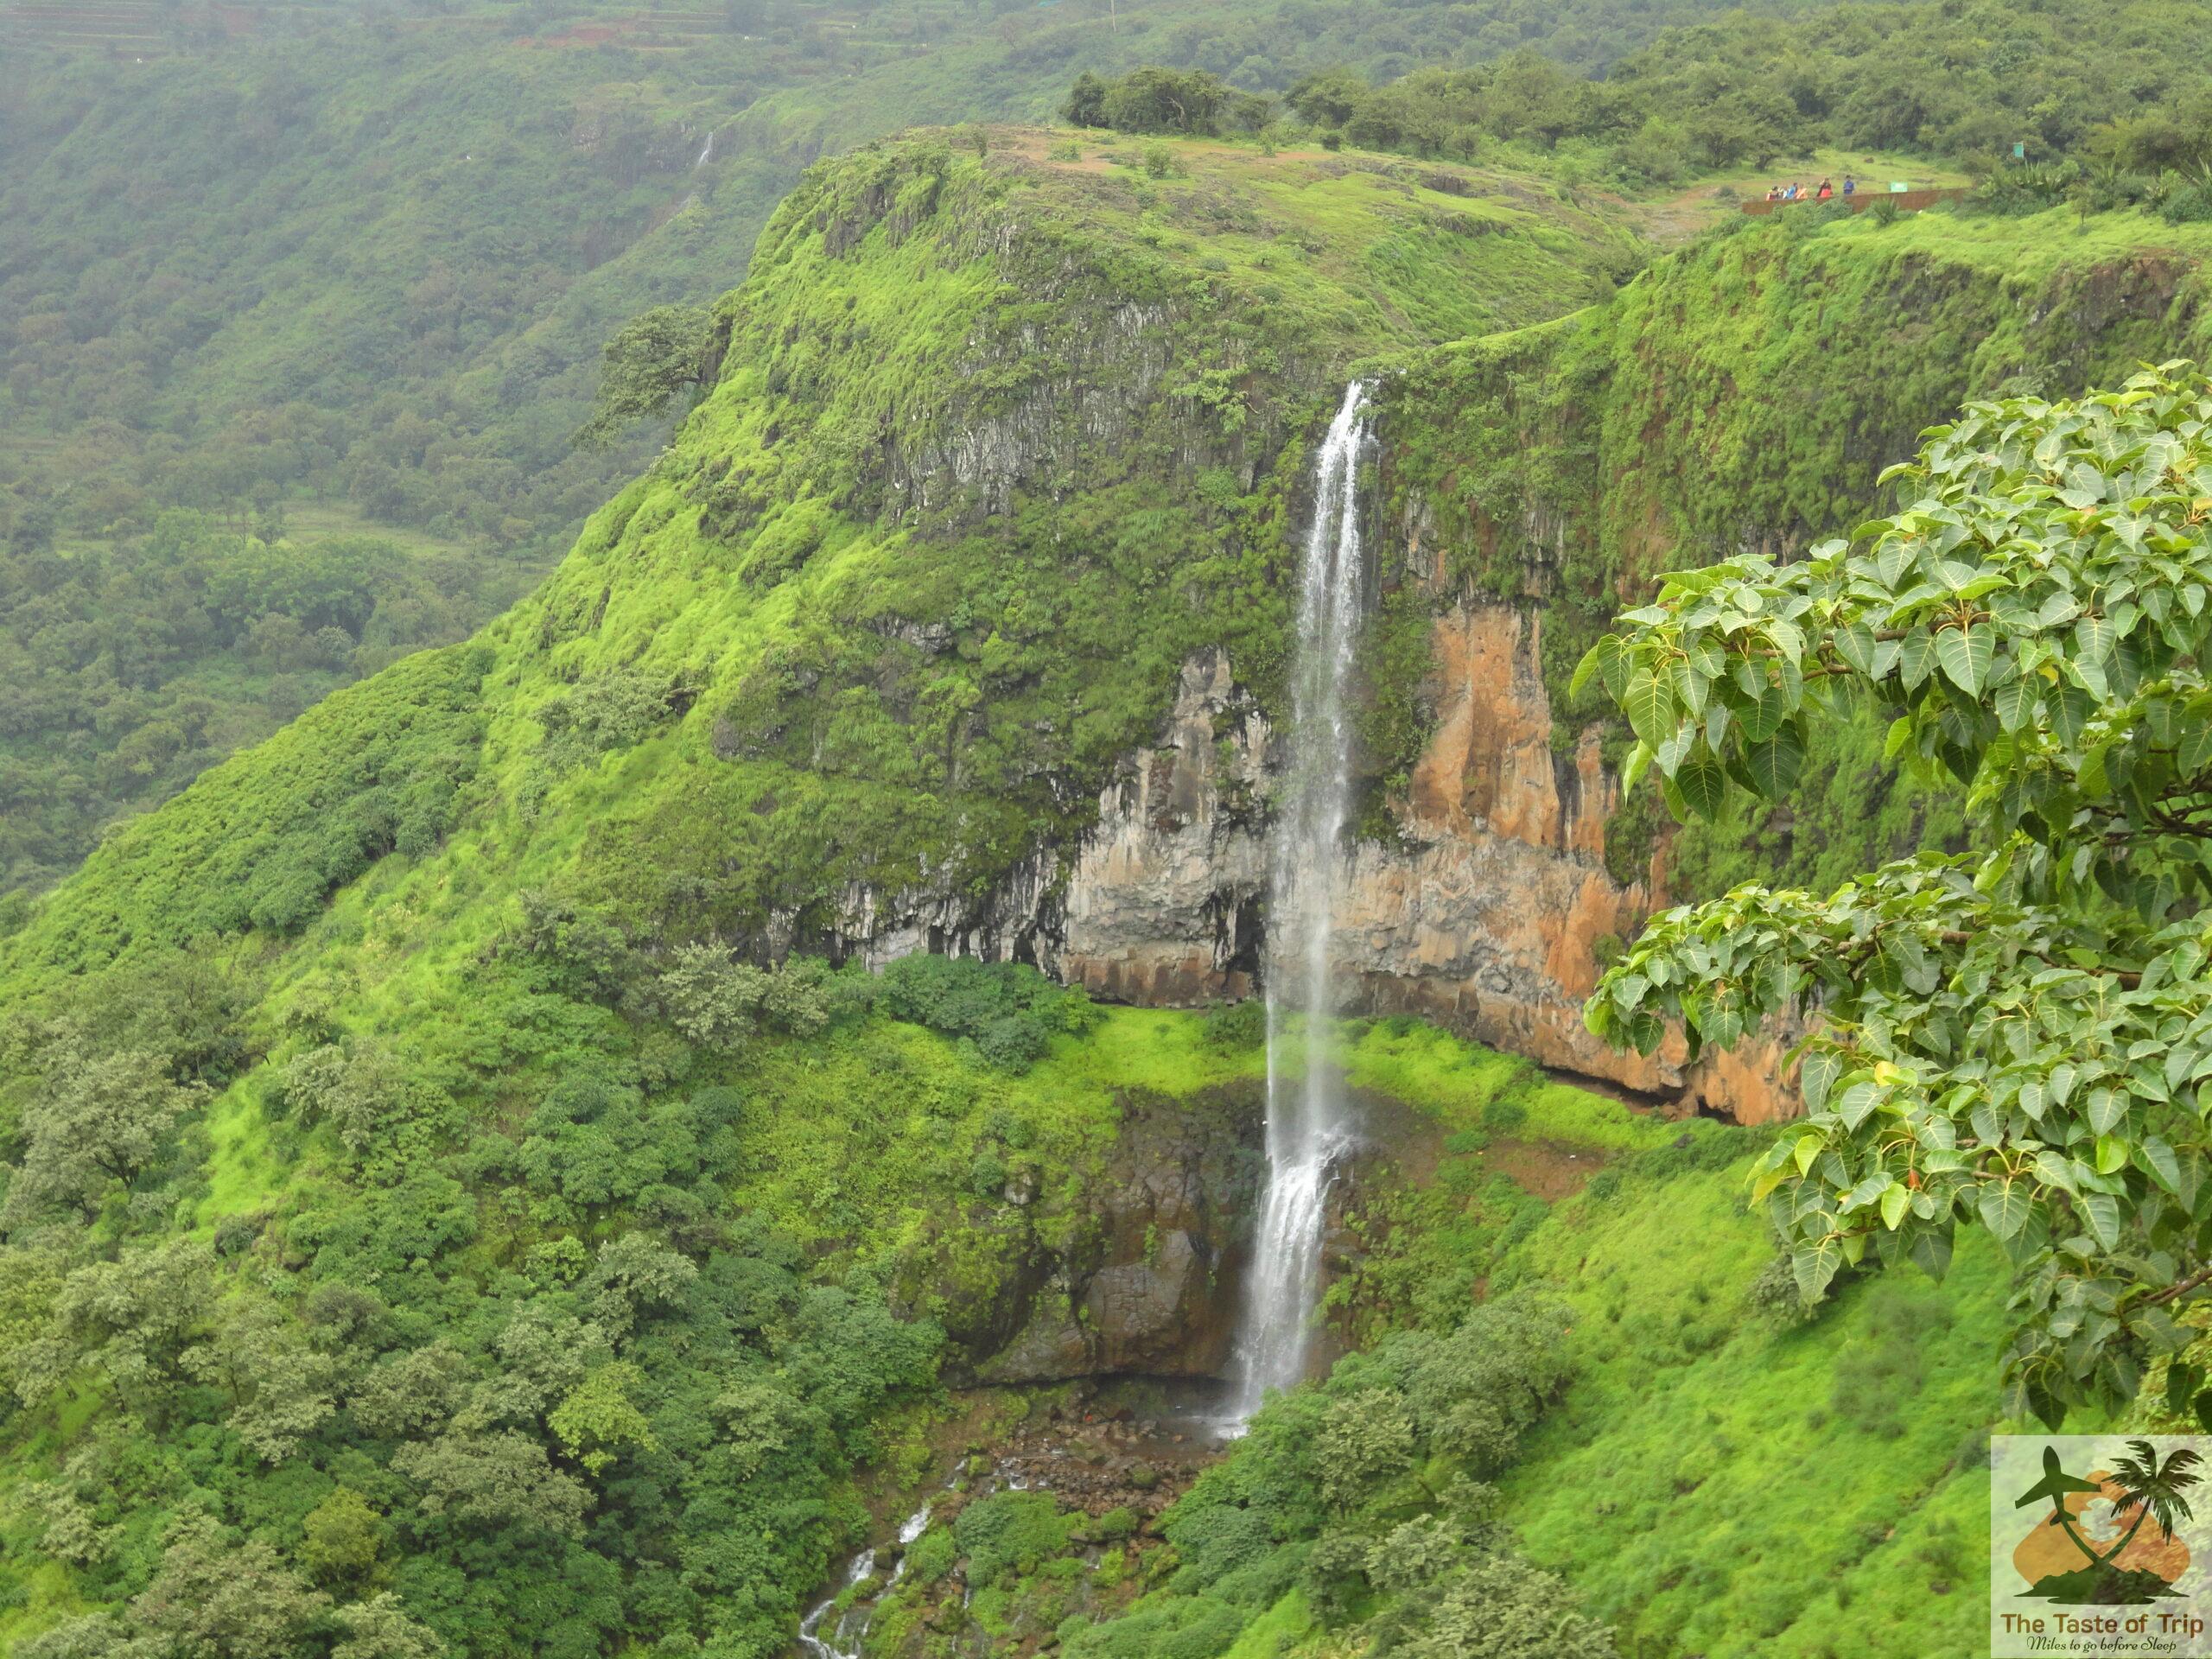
1529	483
1143	1277
1165	903
1482	914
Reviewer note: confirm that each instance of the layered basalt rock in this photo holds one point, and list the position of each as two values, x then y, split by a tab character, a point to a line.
1485	912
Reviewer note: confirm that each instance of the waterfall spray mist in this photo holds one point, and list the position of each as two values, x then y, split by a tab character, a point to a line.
1308	1118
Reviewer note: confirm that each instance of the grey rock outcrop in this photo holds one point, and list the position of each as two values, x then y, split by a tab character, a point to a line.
1143	1279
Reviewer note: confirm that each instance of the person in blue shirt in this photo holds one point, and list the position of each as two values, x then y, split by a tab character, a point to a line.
1849	184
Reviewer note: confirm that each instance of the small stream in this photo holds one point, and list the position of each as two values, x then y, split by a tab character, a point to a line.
847	1630
1175	1423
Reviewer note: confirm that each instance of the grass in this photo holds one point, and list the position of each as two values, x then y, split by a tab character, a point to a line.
1275	1632
1720	1483
1377	239
1455	1081
242	1171
1717	197
1165	1050
2030	249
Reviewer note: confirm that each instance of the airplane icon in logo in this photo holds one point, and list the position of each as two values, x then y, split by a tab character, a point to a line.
2054	1486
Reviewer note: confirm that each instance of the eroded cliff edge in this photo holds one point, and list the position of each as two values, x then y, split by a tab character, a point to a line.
1530	484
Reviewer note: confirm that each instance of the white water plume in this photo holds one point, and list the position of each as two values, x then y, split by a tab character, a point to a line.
1309	1123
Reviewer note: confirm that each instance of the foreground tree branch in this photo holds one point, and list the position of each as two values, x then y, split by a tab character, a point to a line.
2020	1037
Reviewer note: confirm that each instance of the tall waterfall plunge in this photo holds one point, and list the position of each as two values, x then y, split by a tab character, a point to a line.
1309	1123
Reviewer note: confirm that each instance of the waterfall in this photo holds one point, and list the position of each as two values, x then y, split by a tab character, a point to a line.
707	154
1308	1117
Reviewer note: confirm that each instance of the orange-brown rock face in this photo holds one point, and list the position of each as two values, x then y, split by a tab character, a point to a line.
1483	915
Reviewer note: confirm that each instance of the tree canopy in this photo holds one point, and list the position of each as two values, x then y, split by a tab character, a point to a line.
660	355
2019	1035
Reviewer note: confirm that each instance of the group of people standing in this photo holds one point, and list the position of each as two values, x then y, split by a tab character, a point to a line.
1819	193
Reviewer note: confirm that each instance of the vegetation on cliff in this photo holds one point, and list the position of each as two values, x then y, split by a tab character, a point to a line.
1748	391
414	1199
371	266
2007	1037
1648	1418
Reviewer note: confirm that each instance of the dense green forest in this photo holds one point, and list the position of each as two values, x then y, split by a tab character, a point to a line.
2102	95
376	263
127	669
547	1102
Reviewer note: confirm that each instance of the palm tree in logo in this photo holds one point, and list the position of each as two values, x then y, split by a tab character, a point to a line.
2152	1488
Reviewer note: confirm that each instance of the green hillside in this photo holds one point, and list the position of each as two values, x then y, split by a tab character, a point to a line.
284	264
452	1202
335	267
459	1021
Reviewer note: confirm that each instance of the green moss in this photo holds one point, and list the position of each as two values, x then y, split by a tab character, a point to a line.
1748	391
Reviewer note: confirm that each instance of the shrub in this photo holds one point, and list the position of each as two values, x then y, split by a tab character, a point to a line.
1237	1027
1196	1627
1008	1533
2190	207
611	711
1008	1010
1774	1294
1503	1117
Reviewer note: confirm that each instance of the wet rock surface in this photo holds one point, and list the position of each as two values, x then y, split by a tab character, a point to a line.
1109	1461
1149	1282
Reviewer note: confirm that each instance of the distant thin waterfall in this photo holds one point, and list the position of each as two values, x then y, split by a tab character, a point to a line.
706	154
1308	1118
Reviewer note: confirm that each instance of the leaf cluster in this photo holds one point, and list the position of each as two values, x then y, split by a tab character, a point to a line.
2018	1038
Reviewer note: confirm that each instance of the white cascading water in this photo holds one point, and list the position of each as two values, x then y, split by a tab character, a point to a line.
850	1625
1309	1122
707	154
809	1627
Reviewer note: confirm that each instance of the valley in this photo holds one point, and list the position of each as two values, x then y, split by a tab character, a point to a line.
1251	895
